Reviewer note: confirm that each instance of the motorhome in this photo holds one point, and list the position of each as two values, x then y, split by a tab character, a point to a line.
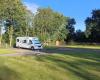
29	43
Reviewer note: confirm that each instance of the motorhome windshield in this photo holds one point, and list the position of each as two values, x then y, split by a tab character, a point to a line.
36	41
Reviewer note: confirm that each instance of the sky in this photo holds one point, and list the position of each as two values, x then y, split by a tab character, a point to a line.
77	9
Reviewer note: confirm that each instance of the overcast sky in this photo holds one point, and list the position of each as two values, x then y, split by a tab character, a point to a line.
78	9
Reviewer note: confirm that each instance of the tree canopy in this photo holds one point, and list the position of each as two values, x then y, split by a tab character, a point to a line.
13	14
46	24
93	26
50	25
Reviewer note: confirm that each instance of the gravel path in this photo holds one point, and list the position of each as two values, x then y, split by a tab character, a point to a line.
24	52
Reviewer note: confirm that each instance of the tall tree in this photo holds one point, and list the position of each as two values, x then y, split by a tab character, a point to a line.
13	12
93	26
80	36
70	27
60	23
42	22
30	23
1	25
50	25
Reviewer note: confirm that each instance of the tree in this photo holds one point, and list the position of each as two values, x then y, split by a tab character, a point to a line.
71	22
93	26
50	25
43	23
29	23
1	31
80	36
60	27
13	12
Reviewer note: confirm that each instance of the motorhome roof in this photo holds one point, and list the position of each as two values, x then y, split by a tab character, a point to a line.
26	38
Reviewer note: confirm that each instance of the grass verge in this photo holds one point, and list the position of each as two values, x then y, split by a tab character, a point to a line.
6	51
84	46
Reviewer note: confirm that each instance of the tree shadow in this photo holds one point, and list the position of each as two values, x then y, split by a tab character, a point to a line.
93	54
83	67
8	74
77	68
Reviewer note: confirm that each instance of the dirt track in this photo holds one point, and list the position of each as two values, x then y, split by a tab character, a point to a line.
24	52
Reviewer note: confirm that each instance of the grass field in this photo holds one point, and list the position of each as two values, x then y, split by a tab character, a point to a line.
84	46
6	51
65	65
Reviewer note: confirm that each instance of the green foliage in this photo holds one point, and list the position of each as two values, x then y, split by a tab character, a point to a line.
46	24
80	36
14	14
50	25
70	27
93	26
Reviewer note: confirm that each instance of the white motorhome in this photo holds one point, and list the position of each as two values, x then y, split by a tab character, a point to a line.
28	42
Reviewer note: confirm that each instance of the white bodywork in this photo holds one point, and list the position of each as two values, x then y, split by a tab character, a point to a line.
28	42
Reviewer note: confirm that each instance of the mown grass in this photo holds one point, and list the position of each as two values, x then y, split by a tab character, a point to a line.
6	51
75	46
64	65
84	46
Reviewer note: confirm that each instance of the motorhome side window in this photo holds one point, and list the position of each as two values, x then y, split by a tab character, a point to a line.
30	42
24	41
17	40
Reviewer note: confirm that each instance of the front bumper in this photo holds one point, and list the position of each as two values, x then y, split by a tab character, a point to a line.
38	47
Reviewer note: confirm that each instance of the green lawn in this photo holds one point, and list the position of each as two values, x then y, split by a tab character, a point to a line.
69	65
6	51
84	46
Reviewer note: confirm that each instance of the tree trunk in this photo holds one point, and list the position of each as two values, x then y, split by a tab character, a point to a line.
10	35
10	40
0	40
0	36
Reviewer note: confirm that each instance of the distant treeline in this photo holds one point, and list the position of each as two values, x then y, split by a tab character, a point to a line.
92	32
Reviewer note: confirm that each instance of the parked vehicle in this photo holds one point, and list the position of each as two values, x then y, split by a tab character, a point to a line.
29	43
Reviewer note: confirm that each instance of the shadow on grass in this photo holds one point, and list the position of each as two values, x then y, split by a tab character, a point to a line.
76	52
8	74
86	68
77	68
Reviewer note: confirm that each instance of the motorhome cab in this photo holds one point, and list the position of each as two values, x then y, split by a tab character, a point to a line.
28	42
